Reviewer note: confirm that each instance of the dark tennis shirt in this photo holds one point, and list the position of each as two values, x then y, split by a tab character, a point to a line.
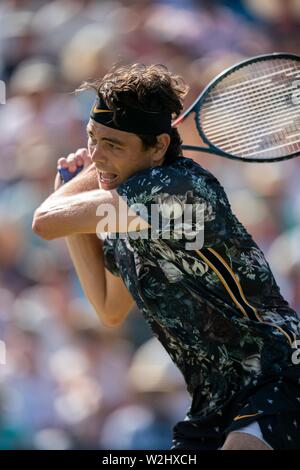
216	310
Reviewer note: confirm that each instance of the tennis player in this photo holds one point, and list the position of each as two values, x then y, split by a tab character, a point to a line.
215	305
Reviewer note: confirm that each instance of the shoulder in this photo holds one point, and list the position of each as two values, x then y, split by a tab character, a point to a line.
182	175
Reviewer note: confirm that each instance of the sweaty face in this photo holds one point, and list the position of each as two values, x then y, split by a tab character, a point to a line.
117	154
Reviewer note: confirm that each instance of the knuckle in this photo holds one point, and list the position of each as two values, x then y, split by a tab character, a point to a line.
71	157
81	152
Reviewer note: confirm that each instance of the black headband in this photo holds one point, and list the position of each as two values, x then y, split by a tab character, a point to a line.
131	119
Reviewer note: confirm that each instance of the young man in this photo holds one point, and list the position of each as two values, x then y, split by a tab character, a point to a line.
214	306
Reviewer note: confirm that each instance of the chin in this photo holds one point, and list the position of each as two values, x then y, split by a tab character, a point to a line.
106	187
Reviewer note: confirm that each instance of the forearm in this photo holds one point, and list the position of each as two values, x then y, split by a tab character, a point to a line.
88	259
102	289
88	212
61	216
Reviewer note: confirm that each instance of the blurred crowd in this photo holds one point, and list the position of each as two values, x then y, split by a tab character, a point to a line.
68	382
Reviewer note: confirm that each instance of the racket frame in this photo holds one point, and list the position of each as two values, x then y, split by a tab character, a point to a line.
196	105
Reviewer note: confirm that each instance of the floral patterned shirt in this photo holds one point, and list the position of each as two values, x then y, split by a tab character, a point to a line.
217	310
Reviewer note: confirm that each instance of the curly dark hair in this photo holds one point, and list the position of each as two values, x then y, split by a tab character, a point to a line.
147	88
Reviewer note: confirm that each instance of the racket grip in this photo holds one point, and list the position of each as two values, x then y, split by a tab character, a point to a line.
66	175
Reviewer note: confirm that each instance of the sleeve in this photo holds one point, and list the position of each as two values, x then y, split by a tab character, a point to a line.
180	206
110	257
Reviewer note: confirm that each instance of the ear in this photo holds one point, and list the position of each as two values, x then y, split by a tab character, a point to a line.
159	150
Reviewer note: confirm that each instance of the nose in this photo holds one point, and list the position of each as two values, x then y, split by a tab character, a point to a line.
98	155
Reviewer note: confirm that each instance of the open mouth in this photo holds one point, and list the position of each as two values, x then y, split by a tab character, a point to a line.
107	177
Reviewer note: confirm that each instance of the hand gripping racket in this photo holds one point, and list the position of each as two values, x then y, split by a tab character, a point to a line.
251	111
66	175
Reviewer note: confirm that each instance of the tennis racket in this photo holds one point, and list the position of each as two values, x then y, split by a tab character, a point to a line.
251	111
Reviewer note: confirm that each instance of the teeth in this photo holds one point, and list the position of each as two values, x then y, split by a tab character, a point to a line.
107	179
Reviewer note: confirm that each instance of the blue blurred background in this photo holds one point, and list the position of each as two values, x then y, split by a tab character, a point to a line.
68	382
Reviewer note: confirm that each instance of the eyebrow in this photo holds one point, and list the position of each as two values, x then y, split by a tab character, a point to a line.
107	139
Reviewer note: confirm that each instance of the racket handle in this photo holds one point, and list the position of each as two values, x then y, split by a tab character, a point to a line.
66	175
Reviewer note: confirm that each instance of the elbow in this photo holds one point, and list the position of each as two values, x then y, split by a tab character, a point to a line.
110	320
41	226
112	323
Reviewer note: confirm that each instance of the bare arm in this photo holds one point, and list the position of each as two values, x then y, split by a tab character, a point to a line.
77	208
102	289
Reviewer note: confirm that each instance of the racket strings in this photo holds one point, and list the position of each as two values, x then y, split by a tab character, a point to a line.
237	141
259	142
218	101
214	98
265	119
252	111
261	106
262	126
244	76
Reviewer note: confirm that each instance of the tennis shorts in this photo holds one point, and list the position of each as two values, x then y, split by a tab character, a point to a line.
273	403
